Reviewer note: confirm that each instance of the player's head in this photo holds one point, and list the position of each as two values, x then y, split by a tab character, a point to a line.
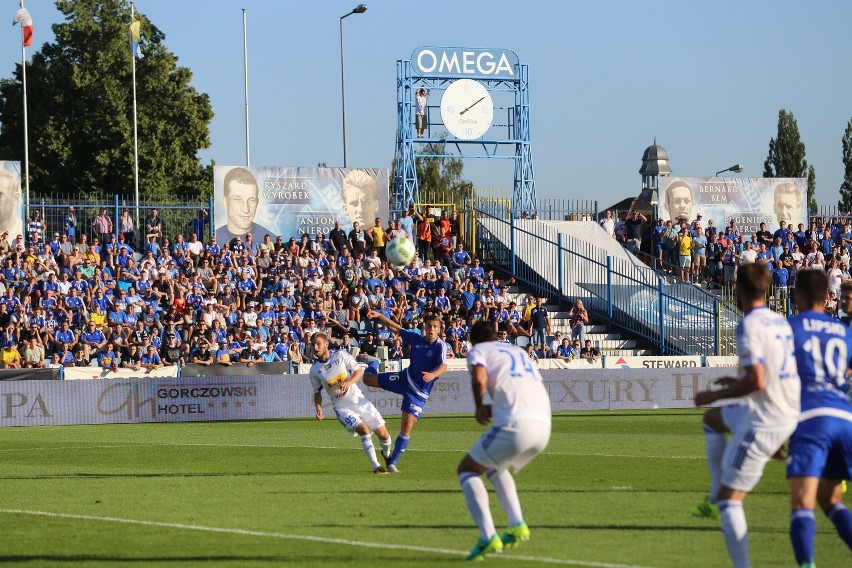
811	290
319	341
432	327
360	196
679	201
240	194
846	297
482	331
753	281
786	202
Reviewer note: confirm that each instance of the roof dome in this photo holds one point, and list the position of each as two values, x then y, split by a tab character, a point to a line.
655	161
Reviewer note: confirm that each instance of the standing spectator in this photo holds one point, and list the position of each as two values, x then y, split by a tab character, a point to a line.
70	225
608	224
455	227
421	100
377	237
337	239
424	238
540	325
407	222
633	230
578	319
154	224
685	250
200	223
357	240
36	227
102	226
127	228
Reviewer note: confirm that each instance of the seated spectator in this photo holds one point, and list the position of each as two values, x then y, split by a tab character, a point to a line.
591	354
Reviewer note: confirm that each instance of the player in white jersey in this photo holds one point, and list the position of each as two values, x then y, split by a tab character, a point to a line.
337	373
520	410
762	422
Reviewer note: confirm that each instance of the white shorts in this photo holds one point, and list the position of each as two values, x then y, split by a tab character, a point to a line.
515	444
362	411
752	444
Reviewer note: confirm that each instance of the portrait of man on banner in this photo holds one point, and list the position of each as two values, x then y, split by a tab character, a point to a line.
240	198
786	203
360	198
11	215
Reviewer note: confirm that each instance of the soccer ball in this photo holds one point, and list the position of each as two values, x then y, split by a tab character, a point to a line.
400	251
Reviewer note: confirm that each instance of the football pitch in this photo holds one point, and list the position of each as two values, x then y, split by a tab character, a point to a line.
613	489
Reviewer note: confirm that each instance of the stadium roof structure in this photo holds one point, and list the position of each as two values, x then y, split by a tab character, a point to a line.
655	161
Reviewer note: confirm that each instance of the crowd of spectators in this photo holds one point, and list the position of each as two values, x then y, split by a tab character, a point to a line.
99	298
707	254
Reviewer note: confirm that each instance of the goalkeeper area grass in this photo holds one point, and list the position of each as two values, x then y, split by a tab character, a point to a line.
613	489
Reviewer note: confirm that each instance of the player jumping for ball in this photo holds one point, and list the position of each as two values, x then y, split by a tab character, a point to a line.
428	362
338	374
521	412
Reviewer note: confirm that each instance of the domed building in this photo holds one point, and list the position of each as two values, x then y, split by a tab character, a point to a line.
655	163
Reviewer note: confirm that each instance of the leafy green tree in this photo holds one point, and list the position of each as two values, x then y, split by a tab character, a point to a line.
845	203
440	179
787	155
80	103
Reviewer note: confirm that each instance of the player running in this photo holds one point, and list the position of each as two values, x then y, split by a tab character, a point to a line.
428	362
338	373
821	447
762	422
521	412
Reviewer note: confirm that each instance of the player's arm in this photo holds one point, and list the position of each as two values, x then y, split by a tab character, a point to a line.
392	325
754	380
318	403
435	373
478	383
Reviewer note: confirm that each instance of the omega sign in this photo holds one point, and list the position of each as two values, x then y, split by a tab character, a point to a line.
464	62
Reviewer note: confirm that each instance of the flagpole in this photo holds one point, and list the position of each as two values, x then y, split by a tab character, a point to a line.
245	73
26	126
135	133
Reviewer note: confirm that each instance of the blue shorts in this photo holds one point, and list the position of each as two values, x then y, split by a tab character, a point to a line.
821	447
412	401
658	249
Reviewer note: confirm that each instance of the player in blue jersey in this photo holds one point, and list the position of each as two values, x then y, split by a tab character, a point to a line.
820	455
428	362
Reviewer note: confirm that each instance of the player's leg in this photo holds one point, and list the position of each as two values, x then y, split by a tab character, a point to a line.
734	525
476	496
410	416
353	423
715	440
803	491
830	498
385	443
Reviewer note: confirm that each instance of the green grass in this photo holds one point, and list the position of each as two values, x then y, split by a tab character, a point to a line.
612	488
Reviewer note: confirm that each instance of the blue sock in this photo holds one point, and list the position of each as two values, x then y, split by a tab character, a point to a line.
399	448
842	519
802	534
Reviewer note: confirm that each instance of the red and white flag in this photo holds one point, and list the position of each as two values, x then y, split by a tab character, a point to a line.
23	17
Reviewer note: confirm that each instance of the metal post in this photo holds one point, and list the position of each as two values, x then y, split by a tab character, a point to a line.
359	9
560	266
210	232
116	217
608	291
245	72
661	309
135	134
717	332
512	262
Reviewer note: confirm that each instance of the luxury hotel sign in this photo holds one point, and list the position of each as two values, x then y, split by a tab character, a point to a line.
468	62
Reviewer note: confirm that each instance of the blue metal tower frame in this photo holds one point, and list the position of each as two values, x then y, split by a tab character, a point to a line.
405	185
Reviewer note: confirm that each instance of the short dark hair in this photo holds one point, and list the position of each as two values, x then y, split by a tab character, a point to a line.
753	281
811	288
482	331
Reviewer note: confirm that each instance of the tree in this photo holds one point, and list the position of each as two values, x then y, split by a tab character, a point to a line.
787	155
845	203
80	103
439	180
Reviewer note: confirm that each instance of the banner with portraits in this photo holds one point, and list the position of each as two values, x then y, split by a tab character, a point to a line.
746	201
11	200
293	201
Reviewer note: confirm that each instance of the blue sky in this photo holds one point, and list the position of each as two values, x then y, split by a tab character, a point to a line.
705	78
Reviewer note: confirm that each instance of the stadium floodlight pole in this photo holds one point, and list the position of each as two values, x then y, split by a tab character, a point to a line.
359	9
245	73
736	168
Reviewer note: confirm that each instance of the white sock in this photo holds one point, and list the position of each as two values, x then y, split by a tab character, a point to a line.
387	446
715	443
504	487
735	528
477	502
370	450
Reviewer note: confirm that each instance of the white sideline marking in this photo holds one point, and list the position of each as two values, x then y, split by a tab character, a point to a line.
311	538
307	447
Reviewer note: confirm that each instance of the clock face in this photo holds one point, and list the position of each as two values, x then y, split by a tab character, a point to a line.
467	109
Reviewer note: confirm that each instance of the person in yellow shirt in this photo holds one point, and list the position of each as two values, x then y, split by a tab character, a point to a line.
377	237
98	317
10	356
685	250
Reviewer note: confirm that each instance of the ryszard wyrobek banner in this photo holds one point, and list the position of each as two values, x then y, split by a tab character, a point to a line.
294	201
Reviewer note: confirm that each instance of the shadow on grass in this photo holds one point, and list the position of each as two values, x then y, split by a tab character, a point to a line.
84	475
174	560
